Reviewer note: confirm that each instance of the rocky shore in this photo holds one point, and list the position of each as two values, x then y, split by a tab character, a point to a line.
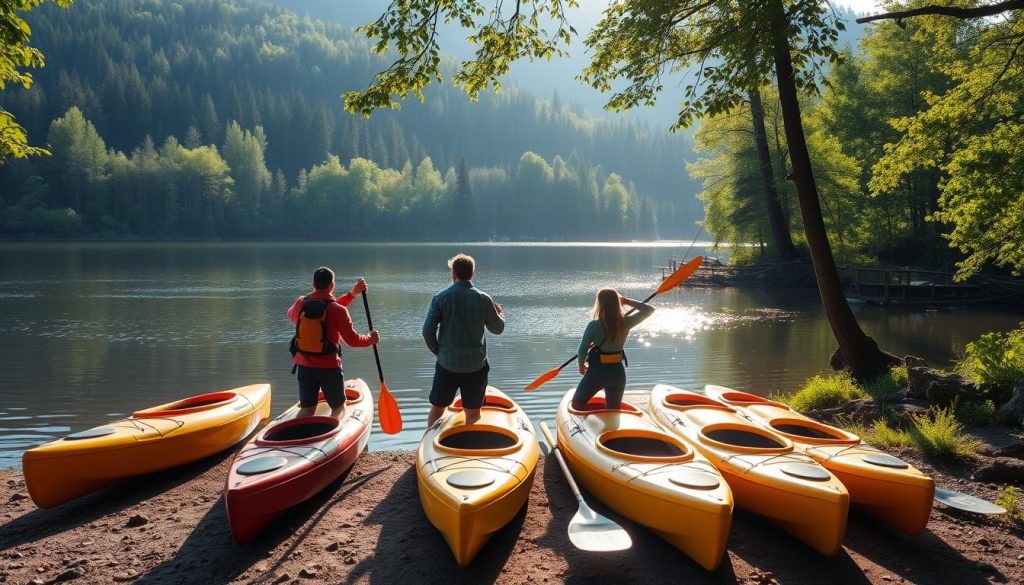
369	528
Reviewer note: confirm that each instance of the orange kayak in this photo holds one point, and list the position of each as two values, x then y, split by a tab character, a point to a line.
149	440
884	486
651	477
474	479
766	472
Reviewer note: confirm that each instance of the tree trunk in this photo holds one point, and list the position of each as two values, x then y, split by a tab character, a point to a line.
857	351
784	249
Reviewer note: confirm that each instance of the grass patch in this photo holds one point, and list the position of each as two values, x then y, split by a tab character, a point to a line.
1013	500
938	435
976	413
895	379
942	436
825	392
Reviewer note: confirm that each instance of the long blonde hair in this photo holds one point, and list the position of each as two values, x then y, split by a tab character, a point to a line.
608	310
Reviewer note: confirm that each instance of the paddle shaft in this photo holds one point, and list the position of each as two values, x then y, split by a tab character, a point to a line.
369	323
561	462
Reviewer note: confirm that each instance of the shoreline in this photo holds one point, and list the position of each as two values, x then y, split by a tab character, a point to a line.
369	527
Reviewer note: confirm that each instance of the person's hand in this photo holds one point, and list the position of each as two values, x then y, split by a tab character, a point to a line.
583	369
497	308
622	300
375	337
358	287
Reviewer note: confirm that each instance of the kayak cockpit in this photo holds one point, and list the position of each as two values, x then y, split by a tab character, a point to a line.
188	405
809	431
598	404
744	439
299	431
491	402
478	439
644	445
685	400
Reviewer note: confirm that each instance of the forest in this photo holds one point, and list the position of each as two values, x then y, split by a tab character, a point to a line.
916	139
223	119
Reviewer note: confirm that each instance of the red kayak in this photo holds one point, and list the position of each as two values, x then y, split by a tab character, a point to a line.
293	459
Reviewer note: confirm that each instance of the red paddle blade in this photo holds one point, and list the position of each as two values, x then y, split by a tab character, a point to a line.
682	273
387	411
543	379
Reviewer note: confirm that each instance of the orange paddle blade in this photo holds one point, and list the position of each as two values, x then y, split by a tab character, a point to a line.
387	411
543	379
682	273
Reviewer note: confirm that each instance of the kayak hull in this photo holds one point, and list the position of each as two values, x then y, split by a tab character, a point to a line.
474	479
300	456
767	475
896	493
151	440
629	463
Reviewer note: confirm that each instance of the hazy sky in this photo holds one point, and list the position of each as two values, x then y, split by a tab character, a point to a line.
859	6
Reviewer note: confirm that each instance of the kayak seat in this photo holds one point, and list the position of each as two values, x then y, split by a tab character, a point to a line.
742	398
643	445
745	439
813	432
598	404
299	431
491	402
478	439
683	401
351	396
193	404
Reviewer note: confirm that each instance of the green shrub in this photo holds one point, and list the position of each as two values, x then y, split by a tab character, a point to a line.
881	434
976	413
941	436
825	392
1010	498
995	362
895	379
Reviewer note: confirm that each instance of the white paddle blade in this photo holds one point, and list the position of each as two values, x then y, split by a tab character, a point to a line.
592	532
966	502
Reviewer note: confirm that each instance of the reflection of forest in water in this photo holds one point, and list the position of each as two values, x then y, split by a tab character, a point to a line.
89	331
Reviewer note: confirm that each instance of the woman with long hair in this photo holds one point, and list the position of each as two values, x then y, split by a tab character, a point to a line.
601	358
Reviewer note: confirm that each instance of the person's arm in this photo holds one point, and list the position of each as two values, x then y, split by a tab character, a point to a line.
430	326
293	312
348	332
589	338
493	320
643	311
347	298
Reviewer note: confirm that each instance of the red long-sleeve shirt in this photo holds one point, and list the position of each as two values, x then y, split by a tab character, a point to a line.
339	326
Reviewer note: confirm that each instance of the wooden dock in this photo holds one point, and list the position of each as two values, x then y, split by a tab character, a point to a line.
929	288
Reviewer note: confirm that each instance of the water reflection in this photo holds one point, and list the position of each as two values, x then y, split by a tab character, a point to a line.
88	331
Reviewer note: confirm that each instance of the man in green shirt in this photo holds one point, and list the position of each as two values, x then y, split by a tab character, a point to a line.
454	332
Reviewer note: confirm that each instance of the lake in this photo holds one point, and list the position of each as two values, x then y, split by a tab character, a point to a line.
92	331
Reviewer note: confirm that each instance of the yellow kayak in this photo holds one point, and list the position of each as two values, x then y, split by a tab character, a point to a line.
628	462
474	479
149	440
888	488
768	476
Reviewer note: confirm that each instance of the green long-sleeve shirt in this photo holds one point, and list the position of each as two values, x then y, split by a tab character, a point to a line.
455	323
594	333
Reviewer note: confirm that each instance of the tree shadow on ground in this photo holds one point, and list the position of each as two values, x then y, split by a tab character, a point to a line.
408	542
925	558
211	552
770	549
650	559
42	523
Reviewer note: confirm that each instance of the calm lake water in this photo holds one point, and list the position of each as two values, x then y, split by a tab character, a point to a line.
91	331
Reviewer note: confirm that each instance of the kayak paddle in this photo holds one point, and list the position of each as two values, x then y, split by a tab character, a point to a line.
682	273
588	530
966	502
387	409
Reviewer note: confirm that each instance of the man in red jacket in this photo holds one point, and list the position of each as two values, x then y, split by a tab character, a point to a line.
317	342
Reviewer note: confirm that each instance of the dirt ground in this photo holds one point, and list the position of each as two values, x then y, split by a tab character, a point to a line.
369	528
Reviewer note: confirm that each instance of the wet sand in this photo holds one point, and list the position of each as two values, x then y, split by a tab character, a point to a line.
369	527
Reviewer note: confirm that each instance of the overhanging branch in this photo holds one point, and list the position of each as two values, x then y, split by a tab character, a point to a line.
961	13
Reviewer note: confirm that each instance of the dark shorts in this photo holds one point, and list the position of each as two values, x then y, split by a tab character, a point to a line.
608	377
312	380
472	386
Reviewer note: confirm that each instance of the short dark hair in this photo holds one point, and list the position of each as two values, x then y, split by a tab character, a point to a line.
462	266
322	278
